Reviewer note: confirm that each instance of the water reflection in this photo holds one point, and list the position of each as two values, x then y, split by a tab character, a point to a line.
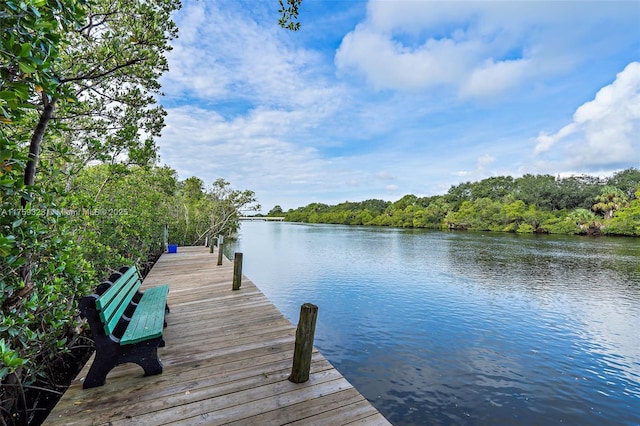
464	328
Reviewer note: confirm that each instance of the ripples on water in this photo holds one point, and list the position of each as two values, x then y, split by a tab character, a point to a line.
465	328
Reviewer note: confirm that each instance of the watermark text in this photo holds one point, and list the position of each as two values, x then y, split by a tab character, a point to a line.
24	212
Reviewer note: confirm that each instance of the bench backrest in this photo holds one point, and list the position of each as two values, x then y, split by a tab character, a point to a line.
114	302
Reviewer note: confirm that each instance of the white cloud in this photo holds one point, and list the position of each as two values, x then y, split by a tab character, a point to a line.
494	77
477	48
484	161
388	64
222	53
253	152
545	141
383	175
480	171
605	132
203	140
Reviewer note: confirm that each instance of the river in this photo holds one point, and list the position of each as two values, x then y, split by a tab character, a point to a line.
441	328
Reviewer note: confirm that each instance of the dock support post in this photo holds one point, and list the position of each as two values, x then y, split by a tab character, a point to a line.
304	343
220	247
237	271
210	237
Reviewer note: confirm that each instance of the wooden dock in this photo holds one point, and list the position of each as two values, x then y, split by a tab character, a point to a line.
227	358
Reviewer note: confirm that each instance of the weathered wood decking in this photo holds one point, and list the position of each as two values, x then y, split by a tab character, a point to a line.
227	358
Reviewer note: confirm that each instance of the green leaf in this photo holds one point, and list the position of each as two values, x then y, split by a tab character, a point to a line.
21	90
7	95
26	68
35	11
5	115
25	50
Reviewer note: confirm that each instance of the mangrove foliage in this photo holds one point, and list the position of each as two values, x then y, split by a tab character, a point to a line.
528	204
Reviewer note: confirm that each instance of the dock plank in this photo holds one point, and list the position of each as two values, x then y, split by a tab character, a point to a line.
227	358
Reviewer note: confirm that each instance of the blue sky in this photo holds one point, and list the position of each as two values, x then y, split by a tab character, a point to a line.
378	99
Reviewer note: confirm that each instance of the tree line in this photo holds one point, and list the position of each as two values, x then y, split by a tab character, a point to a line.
528	204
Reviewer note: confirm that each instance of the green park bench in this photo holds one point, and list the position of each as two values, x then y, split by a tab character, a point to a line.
126	324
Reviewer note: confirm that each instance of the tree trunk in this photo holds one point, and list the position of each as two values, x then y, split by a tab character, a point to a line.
36	141
29	179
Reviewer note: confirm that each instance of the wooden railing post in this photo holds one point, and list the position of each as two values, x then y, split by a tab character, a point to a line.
237	271
220	247
304	343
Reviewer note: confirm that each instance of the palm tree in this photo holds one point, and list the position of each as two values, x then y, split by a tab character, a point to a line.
585	219
610	200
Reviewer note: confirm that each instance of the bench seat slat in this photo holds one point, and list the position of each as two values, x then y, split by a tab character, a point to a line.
108	296
111	299
112	314
148	320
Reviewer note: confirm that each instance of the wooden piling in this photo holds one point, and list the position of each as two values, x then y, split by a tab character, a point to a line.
220	248
237	271
220	244
304	343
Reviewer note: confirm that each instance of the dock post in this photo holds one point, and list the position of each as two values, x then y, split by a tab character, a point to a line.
237	271
220	247
210	237
304	343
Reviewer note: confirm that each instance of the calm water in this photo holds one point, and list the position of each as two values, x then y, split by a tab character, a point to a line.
464	328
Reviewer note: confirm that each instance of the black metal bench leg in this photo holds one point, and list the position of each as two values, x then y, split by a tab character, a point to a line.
145	354
151	366
100	367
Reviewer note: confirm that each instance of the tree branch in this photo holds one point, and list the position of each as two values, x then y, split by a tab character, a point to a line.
105	73
91	25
